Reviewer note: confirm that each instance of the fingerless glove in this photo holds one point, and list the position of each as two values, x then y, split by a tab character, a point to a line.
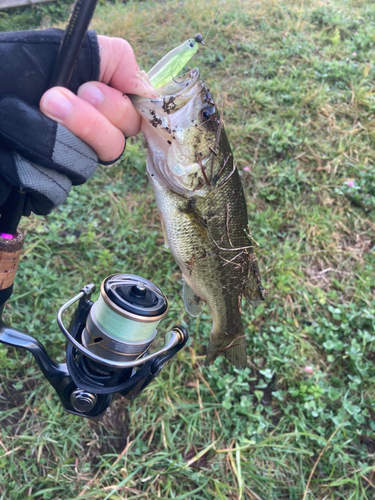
37	155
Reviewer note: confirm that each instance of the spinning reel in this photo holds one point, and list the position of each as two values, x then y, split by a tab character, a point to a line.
108	344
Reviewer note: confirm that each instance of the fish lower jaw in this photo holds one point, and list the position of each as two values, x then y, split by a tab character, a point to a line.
174	184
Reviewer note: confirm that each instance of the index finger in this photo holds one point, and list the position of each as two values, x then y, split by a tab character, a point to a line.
119	68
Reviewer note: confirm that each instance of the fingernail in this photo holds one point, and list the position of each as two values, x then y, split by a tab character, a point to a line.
56	105
91	93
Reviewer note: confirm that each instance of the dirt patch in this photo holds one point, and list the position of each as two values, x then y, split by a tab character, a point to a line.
349	247
357	245
369	442
321	275
112	430
11	398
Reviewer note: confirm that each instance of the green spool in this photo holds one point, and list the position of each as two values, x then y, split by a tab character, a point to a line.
121	327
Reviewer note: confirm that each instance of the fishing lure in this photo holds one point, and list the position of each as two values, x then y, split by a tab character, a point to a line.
172	63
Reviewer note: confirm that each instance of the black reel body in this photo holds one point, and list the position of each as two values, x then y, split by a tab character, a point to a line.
100	365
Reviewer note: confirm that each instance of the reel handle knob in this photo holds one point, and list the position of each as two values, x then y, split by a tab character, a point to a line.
83	401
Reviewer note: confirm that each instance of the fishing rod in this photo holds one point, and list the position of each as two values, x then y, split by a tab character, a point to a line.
108	341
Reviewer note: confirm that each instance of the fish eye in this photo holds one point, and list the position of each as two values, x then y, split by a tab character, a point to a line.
206	113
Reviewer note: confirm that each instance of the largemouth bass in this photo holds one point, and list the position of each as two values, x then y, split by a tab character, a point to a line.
202	205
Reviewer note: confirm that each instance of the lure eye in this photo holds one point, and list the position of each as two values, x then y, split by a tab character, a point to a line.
206	113
191	44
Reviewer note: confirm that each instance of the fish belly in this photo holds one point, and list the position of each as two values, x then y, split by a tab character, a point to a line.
195	229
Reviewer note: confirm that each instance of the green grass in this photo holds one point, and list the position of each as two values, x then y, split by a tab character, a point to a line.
297	79
34	16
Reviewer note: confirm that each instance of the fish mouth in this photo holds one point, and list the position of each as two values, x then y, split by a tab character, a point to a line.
172	96
179	85
170	122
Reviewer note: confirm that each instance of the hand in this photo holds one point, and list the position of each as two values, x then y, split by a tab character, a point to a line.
101	114
44	153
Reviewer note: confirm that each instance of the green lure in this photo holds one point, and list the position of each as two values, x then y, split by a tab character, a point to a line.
171	64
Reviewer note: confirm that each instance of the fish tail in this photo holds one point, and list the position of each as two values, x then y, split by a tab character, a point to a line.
234	352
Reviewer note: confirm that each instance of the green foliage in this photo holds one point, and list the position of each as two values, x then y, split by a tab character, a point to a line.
33	16
362	193
297	83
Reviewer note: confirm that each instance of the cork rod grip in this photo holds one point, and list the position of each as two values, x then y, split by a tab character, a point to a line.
10	253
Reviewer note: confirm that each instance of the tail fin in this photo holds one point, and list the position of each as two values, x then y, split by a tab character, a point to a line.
234	352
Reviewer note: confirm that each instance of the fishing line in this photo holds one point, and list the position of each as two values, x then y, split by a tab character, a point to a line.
122	328
128	309
214	19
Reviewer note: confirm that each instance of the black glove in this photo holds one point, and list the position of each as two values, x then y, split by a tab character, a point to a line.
37	155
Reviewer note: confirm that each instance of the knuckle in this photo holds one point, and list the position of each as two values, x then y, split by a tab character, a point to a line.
124	51
92	124
123	46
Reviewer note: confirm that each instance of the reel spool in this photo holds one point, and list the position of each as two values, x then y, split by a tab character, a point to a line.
121	325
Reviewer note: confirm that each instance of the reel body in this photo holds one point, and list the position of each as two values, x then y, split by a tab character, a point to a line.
108	344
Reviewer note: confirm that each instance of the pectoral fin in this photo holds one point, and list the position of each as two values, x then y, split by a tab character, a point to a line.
196	218
254	295
164	232
193	303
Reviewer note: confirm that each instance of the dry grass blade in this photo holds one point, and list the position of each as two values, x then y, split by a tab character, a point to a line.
252	494
201	453
318	459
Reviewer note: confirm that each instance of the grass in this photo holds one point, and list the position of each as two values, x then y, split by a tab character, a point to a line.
297	79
